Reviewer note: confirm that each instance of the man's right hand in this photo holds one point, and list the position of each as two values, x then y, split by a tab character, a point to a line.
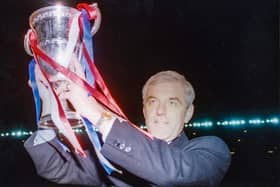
84	104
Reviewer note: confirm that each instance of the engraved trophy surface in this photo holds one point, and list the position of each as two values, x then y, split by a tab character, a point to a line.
52	26
57	32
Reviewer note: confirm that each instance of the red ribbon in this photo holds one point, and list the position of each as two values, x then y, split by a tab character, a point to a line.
61	112
91	10
105	98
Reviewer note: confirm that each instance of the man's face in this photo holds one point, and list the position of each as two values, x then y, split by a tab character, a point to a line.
165	109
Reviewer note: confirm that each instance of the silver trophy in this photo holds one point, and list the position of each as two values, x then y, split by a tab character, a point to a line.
57	31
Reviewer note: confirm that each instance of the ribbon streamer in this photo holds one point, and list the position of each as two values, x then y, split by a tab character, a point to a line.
93	79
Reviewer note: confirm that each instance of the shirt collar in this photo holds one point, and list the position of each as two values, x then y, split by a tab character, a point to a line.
180	141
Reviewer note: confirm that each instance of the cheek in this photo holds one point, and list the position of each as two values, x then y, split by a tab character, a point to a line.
148	111
176	115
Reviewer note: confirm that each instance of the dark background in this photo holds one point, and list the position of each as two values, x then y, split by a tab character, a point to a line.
228	50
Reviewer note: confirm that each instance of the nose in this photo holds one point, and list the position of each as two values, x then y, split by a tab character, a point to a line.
161	109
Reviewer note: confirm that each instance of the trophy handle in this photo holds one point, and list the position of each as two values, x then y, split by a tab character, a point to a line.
97	20
26	42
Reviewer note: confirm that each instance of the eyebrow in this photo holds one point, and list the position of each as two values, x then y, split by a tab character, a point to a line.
150	97
171	98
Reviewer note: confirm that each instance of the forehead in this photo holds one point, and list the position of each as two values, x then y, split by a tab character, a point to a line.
166	89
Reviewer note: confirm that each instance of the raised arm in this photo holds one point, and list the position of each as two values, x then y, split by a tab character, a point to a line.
198	162
58	165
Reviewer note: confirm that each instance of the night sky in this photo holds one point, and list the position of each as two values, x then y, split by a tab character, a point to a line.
228	50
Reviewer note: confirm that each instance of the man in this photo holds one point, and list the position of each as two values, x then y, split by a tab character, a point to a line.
169	159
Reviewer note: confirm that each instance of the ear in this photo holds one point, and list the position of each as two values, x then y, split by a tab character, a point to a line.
189	113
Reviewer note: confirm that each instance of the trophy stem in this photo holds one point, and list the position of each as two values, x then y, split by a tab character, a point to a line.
46	121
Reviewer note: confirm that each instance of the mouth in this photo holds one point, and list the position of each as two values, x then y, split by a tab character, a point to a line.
160	122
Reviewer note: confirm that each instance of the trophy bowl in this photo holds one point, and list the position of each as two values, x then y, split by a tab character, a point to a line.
52	28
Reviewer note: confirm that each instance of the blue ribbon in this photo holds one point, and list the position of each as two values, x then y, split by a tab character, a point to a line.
93	136
35	90
87	39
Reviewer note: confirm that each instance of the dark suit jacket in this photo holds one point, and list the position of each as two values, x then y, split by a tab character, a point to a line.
201	161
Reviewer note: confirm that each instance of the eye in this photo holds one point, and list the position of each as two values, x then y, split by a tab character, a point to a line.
151	101
173	102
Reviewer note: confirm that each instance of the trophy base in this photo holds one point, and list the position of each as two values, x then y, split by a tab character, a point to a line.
46	121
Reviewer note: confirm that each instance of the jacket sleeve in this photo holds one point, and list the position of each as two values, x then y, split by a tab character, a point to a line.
55	164
201	162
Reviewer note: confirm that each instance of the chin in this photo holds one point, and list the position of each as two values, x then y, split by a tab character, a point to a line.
161	137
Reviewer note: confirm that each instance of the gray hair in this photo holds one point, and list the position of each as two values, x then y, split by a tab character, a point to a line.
170	76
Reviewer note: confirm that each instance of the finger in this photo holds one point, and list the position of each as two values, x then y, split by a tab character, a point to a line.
39	77
29	83
62	86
